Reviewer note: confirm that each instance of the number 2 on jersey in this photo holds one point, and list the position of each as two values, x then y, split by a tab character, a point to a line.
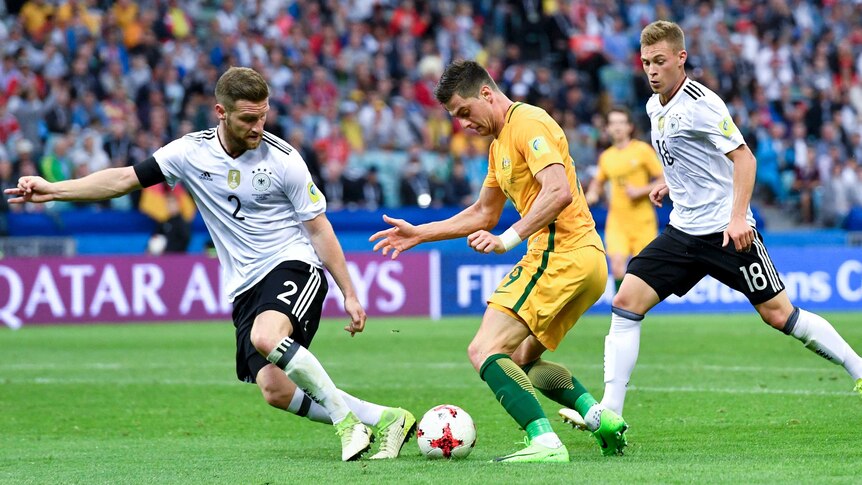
234	198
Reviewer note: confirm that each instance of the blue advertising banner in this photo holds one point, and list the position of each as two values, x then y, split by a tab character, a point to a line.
816	278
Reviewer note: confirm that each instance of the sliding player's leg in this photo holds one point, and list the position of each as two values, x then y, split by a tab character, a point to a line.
392	426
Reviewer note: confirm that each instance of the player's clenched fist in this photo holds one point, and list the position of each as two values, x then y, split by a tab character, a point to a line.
485	242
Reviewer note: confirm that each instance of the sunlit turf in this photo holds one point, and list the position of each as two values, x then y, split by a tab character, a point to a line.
718	398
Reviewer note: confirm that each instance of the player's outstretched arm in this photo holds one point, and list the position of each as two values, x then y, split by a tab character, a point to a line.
483	214
329	250
554	196
104	184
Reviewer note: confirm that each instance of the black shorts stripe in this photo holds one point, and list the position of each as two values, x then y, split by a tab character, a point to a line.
307	296
768	267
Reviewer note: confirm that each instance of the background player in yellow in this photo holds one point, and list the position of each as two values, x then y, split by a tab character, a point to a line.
562	274
632	168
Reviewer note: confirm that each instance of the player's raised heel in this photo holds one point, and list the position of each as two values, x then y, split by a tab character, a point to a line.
536	453
611	433
570	416
356	438
395	428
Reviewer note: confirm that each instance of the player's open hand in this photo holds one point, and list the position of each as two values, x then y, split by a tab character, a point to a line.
657	194
357	315
485	242
398	238
741	233
30	189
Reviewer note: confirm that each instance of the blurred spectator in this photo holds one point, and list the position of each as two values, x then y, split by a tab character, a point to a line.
58	116
770	156
807	186
118	145
8	180
309	154
9	127
415	185
372	191
459	192
172	235
89	156
57	164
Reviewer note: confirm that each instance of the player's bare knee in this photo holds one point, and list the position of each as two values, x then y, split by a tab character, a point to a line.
774	317
476	354
624	301
261	339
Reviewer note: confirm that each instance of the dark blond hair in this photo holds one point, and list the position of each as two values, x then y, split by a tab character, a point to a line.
240	83
663	30
464	78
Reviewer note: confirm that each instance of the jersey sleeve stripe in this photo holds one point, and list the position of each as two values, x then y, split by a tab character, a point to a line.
696	88
276	143
691	92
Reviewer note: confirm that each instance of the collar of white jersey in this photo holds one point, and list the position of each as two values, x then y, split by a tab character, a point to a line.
676	96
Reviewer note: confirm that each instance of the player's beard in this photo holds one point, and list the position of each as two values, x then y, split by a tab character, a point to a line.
242	140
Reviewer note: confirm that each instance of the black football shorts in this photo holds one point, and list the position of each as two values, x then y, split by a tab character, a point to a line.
675	261
294	288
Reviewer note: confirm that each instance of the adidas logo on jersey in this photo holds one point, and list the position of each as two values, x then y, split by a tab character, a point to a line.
206	176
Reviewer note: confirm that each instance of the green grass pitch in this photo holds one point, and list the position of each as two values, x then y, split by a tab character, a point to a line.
715	398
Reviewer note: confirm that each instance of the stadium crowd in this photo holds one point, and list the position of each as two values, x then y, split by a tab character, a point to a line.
87	84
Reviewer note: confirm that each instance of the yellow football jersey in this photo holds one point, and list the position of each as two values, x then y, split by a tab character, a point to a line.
634	165
530	141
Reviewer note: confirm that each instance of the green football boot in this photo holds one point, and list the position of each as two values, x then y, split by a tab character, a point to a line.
611	433
536	453
355	437
858	387
396	426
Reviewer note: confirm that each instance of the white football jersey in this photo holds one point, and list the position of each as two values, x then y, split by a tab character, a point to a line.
691	135
253	205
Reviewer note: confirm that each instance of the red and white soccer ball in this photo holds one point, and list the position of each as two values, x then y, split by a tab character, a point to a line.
446	431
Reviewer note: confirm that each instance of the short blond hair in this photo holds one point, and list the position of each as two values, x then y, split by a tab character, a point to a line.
663	30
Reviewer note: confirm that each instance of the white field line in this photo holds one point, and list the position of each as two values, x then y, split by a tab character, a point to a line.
232	382
740	390
685	367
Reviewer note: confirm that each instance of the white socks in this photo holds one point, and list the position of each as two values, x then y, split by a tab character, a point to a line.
820	337
621	353
548	440
305	370
302	405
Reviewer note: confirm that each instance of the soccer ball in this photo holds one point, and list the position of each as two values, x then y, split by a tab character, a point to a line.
446	431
